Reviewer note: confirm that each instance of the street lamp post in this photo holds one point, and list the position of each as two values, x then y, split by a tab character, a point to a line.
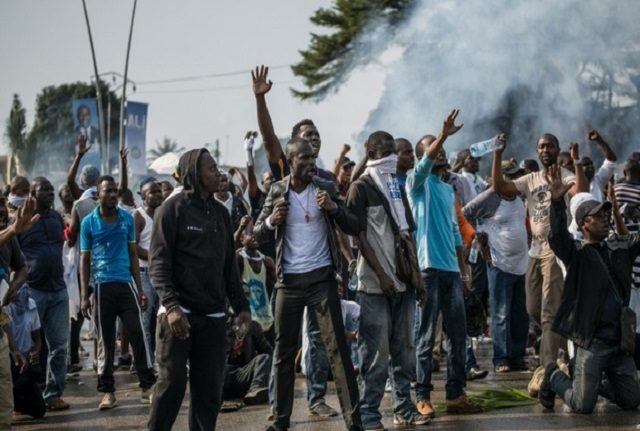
124	88
98	92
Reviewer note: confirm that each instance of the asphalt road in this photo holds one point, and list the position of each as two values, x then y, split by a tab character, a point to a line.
131	414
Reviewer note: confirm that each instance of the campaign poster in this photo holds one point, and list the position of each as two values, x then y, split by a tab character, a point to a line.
85	122
135	138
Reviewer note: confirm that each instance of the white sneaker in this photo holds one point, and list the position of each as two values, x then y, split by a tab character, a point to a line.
146	395
108	401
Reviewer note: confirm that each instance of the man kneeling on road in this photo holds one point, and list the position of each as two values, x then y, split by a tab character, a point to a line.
595	296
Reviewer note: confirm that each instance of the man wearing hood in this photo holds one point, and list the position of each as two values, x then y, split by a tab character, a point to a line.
192	267
300	214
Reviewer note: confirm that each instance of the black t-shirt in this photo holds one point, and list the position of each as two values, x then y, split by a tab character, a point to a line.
608	328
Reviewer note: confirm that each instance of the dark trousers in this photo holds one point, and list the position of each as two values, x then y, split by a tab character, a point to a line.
480	281
581	393
254	375
318	290
74	338
204	349
113	300
27	396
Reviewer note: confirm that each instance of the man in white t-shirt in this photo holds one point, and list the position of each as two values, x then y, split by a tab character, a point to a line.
470	172
151	193
300	213
544	280
503	222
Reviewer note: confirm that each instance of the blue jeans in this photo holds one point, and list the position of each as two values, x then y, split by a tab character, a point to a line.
149	316
581	394
53	311
470	361
509	318
386	332
316	363
444	294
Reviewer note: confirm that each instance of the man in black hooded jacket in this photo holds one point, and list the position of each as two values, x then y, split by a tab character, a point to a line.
192	266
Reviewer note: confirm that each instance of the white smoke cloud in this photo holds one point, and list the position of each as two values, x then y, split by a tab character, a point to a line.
525	62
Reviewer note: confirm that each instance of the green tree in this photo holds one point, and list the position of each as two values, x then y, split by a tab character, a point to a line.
167	145
23	152
330	57
53	134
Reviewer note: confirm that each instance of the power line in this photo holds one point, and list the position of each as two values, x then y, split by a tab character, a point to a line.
212	75
206	89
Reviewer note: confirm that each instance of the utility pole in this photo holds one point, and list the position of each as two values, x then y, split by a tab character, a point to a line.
98	93
124	87
216	152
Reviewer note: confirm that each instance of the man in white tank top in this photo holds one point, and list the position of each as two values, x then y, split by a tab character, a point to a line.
151	193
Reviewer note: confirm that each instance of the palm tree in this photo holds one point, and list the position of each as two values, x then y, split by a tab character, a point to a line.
167	145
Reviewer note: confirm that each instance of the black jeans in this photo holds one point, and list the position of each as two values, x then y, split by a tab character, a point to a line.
204	349
254	375
74	338
113	300
317	289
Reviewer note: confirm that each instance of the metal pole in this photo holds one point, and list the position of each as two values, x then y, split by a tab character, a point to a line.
98	92
109	131
124	87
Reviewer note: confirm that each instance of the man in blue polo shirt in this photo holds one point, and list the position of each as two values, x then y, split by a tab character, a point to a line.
108	248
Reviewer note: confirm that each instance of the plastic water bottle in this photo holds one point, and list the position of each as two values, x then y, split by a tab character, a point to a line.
481	148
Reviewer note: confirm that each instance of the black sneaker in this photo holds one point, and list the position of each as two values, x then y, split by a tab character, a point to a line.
257	396
476	373
546	396
74	369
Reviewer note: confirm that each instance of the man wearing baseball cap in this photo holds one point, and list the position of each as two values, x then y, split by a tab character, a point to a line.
595	297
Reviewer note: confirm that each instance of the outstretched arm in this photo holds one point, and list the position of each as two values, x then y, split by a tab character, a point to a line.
81	150
123	185
448	128
261	86
560	239
607	152
582	183
343	152
503	187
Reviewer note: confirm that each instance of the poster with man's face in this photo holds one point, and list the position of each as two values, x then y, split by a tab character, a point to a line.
85	119
85	122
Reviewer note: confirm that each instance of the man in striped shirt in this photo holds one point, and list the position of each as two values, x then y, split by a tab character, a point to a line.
628	196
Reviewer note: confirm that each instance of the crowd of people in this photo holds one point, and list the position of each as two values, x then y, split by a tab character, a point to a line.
375	274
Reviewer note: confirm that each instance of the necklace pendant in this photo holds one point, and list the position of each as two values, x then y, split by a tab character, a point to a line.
306	217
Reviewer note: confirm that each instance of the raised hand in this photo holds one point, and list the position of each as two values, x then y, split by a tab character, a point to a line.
574	150
501	143
83	145
556	186
594	135
124	153
261	84
449	127
26	217
345	148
